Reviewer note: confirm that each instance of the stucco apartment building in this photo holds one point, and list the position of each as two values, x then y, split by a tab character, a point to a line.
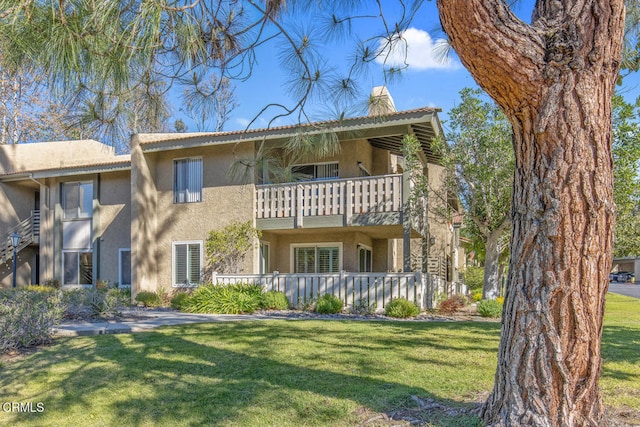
86	214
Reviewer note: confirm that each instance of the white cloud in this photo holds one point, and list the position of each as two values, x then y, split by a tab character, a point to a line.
417	49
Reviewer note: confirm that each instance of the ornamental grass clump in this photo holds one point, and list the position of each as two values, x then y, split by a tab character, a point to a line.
239	298
329	304
27	317
401	308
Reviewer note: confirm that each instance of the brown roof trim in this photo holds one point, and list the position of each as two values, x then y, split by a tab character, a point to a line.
279	131
82	169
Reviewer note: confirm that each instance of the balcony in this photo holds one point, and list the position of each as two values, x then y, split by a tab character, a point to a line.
373	200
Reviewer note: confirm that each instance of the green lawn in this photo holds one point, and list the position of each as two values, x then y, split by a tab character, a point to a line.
282	372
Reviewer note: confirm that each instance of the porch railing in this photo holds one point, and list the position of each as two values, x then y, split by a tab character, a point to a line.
374	290
348	197
29	231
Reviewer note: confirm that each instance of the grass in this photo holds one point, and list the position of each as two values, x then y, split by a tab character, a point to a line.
282	373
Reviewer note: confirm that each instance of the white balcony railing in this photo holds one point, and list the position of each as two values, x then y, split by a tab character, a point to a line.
351	196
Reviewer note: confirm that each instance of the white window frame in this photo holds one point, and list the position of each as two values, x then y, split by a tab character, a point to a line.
316	246
181	196
79	214
120	251
78	252
263	268
364	248
173	262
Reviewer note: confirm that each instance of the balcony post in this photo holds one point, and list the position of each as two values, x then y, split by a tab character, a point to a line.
298	205
349	203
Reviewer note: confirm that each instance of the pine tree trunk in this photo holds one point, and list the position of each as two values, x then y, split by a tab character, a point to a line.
554	79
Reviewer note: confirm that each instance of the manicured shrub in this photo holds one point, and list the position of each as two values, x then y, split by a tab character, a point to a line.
27	318
180	300
490	308
149	299
329	304
452	304
401	308
225	299
274	300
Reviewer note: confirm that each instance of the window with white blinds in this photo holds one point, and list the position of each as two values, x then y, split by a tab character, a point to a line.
187	180
187	262
316	259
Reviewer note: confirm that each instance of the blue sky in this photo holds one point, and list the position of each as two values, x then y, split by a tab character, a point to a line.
427	81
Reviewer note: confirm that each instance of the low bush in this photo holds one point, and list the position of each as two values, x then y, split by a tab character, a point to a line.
401	308
274	300
149	299
225	299
108	302
180	300
329	304
490	308
452	304
38	288
27	317
362	307
477	296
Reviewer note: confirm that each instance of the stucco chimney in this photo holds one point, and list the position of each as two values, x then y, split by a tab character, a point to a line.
381	102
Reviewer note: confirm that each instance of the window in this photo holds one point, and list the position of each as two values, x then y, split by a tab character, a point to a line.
187	262
315	172
317	259
187	180
77	199
77	268
364	259
124	267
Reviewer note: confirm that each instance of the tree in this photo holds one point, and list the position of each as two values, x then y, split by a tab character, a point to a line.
27	112
626	174
209	102
479	159
554	79
227	248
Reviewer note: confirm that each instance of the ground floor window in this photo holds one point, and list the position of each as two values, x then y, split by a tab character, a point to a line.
124	267
77	268
364	259
317	259
187	263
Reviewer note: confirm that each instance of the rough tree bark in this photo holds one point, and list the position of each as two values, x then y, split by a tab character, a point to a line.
554	79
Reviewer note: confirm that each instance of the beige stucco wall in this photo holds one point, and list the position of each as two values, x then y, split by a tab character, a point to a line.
161	222
112	219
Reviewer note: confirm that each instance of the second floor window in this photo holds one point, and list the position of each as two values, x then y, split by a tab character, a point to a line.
315	172
77	200
187	180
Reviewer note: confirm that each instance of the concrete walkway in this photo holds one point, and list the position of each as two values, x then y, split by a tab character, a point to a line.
145	321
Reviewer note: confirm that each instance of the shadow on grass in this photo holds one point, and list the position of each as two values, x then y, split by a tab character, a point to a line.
243	373
620	345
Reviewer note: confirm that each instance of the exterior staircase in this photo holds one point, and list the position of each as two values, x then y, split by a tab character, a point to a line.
29	231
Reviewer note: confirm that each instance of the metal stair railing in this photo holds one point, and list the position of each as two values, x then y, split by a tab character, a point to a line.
29	230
